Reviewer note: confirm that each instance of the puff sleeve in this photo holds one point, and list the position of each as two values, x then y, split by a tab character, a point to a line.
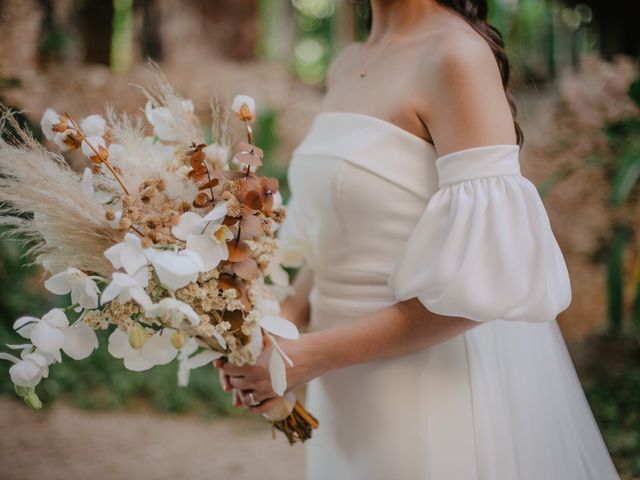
483	248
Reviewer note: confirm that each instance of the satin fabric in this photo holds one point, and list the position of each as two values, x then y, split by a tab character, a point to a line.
380	219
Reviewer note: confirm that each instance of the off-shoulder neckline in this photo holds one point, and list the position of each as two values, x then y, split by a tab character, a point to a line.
417	138
380	121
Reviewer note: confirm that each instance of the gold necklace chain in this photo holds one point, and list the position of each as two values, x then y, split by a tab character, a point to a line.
363	71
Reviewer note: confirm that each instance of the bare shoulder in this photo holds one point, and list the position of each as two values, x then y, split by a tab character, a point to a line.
466	102
341	62
459	56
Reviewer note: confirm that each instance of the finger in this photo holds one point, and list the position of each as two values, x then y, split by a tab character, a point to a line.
237	400
252	400
240	383
264	406
234	370
224	381
246	398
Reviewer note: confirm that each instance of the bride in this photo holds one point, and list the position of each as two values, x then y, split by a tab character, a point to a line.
432	278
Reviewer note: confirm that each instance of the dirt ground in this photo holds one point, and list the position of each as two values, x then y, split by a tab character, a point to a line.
64	443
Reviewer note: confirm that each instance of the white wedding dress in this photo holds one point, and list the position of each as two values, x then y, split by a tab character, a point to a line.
382	219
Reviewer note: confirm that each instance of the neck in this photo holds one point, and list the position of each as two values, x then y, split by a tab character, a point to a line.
392	18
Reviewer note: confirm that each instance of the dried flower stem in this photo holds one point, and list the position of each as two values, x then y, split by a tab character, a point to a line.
209	181
298	426
137	231
237	239
104	160
172	237
250	140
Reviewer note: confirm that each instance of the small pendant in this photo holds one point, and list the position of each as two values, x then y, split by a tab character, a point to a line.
362	75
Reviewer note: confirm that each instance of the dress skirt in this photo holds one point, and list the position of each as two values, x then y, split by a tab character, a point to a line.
499	402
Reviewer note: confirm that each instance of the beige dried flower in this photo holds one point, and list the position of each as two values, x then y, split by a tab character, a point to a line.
233	207
125	223
153	222
170	218
279	215
209	275
184	207
95	320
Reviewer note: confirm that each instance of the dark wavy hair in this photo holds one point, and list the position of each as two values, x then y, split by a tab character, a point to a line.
475	12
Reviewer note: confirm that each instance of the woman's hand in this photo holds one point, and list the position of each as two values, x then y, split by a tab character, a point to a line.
256	379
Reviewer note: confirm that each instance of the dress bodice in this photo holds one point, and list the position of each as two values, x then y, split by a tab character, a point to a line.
465	233
360	185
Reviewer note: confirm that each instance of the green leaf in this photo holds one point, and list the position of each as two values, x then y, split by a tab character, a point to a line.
626	177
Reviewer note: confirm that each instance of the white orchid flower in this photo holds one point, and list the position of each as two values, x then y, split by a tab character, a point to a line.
131	256
45	333
188	362
80	340
124	287
280	326
50	263
93	126
52	333
92	145
173	312
292	252
88	189
293	243
84	290
177	269
164	125
275	270
206	236
277	370
280	292
267	306
157	350
28	370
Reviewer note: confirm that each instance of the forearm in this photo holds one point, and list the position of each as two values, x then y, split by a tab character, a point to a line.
296	307
399	329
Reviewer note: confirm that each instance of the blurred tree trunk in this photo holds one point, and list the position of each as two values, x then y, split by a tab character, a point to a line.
235	23
94	20
149	29
20	22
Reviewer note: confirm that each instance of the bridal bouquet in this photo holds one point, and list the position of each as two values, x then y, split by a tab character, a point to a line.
166	240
